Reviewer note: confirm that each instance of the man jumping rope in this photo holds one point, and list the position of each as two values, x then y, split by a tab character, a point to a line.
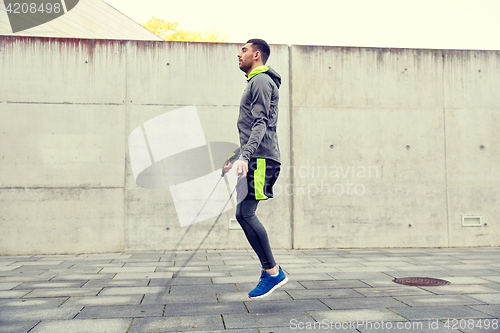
258	155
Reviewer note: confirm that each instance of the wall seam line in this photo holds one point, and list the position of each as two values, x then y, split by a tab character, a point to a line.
445	157
127	124
290	117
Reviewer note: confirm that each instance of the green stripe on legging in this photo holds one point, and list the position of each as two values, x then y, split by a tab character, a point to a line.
259	177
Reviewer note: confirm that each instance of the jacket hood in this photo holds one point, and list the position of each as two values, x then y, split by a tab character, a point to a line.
269	71
274	75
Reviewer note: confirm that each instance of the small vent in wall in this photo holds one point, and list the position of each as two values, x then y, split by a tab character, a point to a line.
471	221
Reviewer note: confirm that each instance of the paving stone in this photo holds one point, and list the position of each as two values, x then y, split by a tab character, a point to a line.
323	293
8	285
435	300
60	292
391	291
355	315
493	310
491	278
207	308
463	279
9	326
174	299
495	286
175	269
94	263
141	276
254	330
176	324
37	313
99	256
240	296
417	273
27	302
460	289
5	263
361	303
358	276
183	281
227	268
483	273
83	276
104	300
19	271
116	283
440	312
254	306
288	329
247	263
121	311
211	288
284	320
142	269
387	282
310	277
50	284
434	326
83	326
38	263
113	291
140	263
236	279
245	272
13	293
337	284
183	274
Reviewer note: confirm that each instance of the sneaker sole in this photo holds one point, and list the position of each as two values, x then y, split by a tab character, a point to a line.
282	283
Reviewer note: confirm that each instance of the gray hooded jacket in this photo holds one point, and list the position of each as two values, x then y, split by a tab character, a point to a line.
258	117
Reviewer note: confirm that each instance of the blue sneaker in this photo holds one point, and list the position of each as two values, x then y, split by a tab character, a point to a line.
268	284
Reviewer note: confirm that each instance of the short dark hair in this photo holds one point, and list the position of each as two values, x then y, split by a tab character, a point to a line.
262	46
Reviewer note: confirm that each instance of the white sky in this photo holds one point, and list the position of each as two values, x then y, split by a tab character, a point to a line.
438	24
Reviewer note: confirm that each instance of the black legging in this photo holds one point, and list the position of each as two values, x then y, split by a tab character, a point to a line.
255	232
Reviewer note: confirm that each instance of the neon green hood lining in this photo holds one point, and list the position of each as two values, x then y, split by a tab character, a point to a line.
257	70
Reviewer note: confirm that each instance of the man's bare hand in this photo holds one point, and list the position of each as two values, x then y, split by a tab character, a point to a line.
226	166
242	168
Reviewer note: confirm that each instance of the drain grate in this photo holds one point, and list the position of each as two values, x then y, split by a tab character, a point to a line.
421	281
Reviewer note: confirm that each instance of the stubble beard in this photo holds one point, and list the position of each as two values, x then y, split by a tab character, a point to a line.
244	68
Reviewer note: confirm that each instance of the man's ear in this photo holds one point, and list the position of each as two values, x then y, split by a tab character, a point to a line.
256	56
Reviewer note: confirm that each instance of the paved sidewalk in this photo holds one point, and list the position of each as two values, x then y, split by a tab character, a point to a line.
340	290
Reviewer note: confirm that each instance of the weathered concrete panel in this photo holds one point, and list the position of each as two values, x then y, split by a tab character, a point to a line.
181	73
472	111
68	220
58	145
471	79
62	70
366	77
384	216
371	173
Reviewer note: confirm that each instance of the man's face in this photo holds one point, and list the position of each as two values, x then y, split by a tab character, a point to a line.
246	57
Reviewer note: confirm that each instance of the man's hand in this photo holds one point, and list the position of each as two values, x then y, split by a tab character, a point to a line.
242	168
226	166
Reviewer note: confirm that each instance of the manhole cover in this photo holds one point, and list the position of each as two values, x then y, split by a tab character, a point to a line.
421	281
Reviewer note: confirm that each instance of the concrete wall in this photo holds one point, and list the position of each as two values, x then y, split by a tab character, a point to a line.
416	119
397	130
